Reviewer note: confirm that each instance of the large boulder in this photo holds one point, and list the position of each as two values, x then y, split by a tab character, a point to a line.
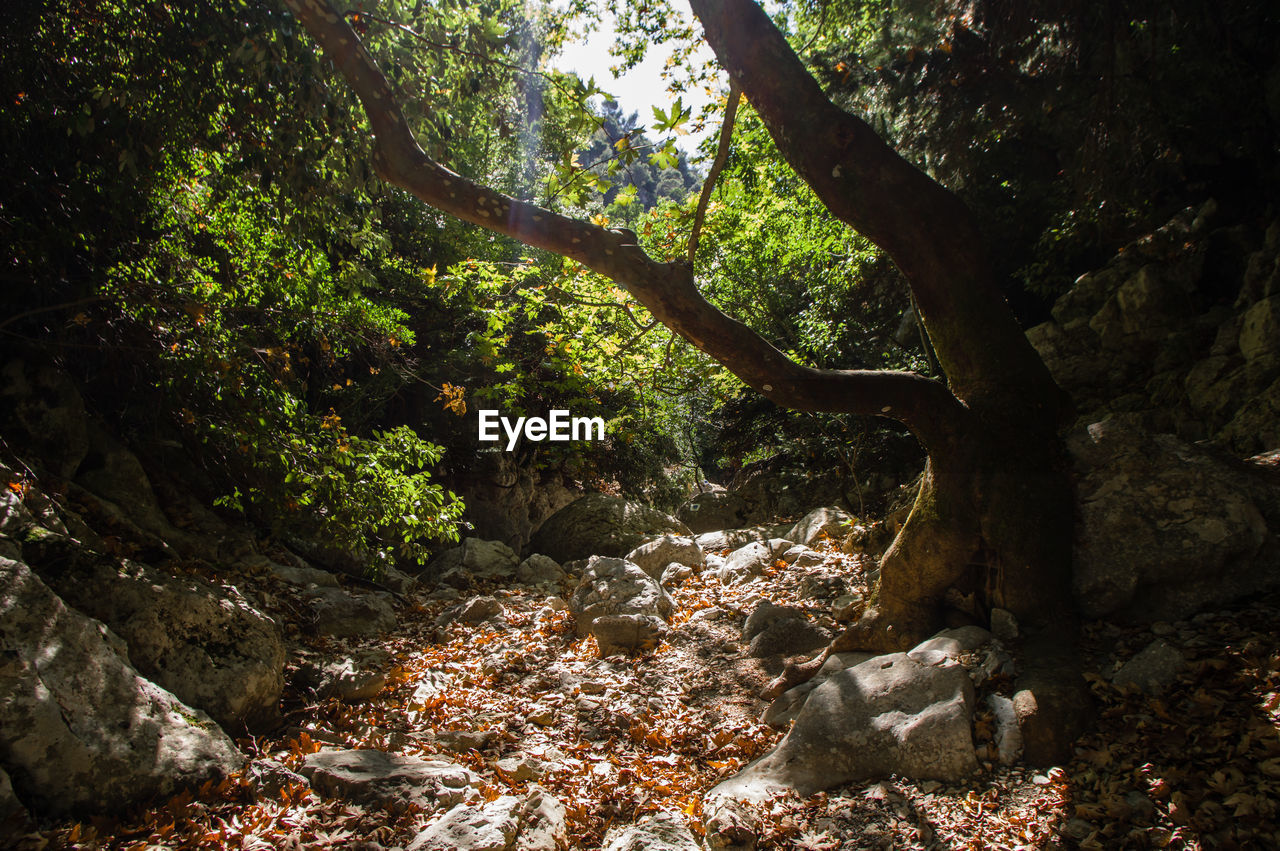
833	523
476	560
748	562
391	781
615	586
342	614
654	556
1167	529
599	525
711	512
887	715
80	729
202	641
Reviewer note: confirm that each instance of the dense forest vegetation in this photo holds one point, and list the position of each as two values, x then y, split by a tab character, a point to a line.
212	226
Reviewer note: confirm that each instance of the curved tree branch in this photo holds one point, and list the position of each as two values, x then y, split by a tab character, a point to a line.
667	290
924	227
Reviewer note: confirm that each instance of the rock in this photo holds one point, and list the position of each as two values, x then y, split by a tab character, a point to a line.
818	582
463	741
1008	736
1256	423
788	636
345	615
614	586
888	715
391	781
538	569
729	539
534	822
80	729
675	574
627	633
1260	333
1167	529
479	609
745	563
398	581
1153	670
1004	625
654	556
765	614
268	778
711	512
518	769
829	522
303	576
432	684
203	642
658	832
343	679
729	824
114	474
474	560
600	525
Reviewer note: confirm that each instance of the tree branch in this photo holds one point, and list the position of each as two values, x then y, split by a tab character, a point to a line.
925	229
667	290
722	154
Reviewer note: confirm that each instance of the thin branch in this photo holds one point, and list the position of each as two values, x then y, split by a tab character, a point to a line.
722	154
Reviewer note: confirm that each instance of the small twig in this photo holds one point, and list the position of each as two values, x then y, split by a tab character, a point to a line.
722	154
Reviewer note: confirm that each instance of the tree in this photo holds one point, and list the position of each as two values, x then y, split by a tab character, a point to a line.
993	519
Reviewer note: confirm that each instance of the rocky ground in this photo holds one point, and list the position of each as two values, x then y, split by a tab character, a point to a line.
515	733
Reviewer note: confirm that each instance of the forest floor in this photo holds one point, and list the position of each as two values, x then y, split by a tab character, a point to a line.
520	699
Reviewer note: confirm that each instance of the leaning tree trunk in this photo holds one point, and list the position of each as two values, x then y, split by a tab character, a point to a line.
994	514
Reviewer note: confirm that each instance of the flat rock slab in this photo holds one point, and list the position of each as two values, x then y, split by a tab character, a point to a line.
887	715
391	781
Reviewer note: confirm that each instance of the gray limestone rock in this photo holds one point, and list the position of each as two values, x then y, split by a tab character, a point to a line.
654	556
532	822
830	522
1154	669
391	781
887	715
614	586
204	642
600	525
80	729
343	614
659	832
